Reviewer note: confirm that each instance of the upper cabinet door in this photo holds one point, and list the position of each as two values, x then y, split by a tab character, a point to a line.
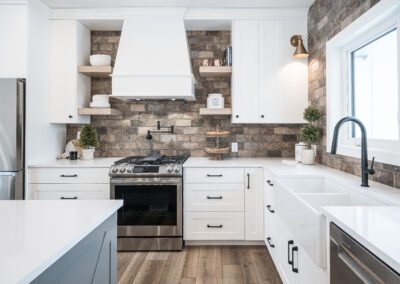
13	46
245	71
270	61
69	90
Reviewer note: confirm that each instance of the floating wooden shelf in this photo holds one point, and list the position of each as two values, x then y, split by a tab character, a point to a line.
98	111
96	71
218	134
215	71
215	111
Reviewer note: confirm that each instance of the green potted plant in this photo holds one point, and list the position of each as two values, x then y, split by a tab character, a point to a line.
88	141
310	134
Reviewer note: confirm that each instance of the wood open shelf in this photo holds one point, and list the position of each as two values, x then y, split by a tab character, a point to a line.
98	111
215	71
96	71
215	111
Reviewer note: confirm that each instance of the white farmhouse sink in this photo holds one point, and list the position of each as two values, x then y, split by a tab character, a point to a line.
299	202
312	185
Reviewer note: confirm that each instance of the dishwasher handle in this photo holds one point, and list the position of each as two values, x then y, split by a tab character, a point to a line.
356	265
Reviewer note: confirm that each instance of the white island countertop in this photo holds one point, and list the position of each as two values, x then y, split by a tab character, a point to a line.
36	233
375	227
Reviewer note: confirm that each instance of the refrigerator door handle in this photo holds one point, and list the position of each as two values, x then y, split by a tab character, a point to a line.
20	123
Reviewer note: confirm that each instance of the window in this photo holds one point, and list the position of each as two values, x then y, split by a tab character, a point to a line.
374	91
362	80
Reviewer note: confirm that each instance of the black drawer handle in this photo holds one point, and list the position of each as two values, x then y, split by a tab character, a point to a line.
295	269
269	242
270	183
290	261
75	197
248	181
269	209
69	176
220	175
214	226
214	197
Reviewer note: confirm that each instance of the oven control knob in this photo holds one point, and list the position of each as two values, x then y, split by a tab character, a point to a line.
130	169
169	169
122	169
177	169
114	169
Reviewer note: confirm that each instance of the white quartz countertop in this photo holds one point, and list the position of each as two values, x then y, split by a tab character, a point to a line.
377	228
66	163
36	233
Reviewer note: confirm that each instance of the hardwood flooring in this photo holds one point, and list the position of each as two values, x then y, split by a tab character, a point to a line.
199	264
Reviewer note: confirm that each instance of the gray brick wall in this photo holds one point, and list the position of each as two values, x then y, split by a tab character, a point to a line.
325	19
124	135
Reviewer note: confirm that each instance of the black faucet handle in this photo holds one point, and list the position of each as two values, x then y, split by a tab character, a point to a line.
371	170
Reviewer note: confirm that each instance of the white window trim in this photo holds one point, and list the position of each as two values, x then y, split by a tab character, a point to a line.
383	16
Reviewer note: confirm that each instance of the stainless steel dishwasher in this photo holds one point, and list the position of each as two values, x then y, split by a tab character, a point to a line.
353	263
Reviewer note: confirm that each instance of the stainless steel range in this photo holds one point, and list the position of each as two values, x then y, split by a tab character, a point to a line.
151	217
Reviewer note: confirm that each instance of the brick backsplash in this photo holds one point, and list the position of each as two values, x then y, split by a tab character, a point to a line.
125	135
325	20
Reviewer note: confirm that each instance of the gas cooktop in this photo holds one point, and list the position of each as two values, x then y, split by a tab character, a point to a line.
151	165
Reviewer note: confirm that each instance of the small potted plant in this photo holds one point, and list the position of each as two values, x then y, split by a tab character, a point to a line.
88	141
311	134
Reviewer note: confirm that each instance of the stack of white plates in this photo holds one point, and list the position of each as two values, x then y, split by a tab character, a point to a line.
100	101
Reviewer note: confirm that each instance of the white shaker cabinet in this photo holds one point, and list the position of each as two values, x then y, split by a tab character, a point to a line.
13	35
253	214
70	90
268	84
245	99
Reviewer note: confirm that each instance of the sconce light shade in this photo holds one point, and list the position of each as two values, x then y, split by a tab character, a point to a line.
300	51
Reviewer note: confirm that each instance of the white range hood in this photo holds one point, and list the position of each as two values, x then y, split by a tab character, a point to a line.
153	60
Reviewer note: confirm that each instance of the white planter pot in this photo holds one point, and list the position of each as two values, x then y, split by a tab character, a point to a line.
308	157
88	153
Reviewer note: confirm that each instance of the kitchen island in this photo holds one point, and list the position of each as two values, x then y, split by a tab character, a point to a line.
58	241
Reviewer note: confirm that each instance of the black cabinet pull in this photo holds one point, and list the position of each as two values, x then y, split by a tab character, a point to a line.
214	226
269	209
248	181
262	116
214	197
220	175
75	197
295	269
270	183
237	116
70	116
288	252
69	176
269	242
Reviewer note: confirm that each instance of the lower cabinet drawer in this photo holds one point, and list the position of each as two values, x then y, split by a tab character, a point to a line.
70	191
214	197
214	226
69	175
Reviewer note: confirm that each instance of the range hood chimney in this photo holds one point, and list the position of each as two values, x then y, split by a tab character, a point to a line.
153	60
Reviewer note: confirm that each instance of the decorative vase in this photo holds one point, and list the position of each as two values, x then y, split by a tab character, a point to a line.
87	153
308	157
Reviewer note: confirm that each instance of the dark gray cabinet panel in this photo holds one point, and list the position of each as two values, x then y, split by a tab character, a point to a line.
92	260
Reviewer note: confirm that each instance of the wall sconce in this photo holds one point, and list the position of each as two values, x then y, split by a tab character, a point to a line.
300	51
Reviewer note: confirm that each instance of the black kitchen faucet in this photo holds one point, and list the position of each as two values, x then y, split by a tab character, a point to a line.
365	171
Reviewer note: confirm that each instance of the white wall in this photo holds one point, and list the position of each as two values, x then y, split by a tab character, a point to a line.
44	141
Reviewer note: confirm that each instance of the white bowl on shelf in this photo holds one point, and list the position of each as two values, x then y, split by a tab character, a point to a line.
100	105
100	60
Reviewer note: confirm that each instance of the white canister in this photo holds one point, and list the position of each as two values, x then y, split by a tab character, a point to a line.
215	101
298	148
308	157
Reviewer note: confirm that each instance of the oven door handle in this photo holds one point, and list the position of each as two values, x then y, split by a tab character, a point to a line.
145	181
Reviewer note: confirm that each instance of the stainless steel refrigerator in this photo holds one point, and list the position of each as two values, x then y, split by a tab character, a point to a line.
12	138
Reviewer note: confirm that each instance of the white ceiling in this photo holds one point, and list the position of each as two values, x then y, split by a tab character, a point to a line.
180	3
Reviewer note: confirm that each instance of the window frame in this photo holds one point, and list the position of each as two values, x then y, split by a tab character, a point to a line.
380	19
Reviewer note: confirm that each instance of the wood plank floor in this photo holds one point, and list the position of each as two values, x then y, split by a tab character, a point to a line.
199	264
